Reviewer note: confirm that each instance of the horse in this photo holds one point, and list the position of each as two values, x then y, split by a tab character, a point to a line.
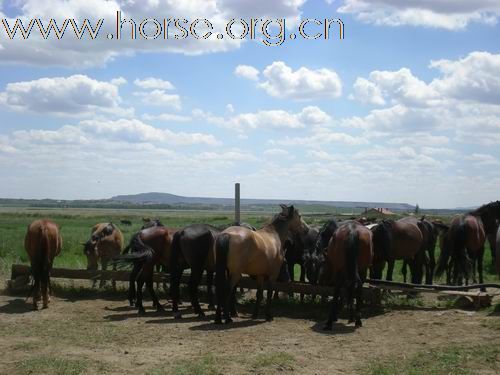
296	245
105	243
193	247
463	244
427	255
126	222
349	256
148	247
401	239
258	254
315	258
43	242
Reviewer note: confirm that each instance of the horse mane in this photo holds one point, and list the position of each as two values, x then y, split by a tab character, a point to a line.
486	208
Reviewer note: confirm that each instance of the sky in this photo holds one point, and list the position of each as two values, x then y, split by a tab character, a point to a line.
404	108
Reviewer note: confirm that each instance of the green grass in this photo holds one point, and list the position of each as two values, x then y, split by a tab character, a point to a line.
277	360
205	365
453	360
52	365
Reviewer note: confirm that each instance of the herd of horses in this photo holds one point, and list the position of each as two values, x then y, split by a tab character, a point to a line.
338	253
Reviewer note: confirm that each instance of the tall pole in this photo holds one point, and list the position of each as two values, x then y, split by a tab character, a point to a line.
237	216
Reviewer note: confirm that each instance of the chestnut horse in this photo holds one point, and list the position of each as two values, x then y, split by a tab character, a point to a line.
349	256
148	248
43	243
105	243
401	239
258	254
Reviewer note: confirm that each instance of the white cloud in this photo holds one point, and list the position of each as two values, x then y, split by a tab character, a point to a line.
367	92
160	98
152	83
450	15
166	117
483	159
304	84
279	152
75	95
247	71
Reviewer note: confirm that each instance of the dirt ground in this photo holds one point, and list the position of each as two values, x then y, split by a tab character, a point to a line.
101	334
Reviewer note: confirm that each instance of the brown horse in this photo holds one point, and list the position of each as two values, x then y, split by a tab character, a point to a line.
105	243
43	243
258	254
349	256
148	248
401	239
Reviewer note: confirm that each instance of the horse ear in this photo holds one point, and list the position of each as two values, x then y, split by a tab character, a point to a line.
291	211
284	209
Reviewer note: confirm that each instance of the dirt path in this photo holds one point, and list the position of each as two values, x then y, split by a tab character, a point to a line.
106	336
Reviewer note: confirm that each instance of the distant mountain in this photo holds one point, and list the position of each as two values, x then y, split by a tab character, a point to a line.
171	199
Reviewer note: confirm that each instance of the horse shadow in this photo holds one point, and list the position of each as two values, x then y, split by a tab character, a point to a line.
337	329
243	323
16	306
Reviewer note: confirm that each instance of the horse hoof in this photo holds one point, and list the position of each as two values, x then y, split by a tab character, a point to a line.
218	321
229	320
234	314
327	327
141	311
254	316
34	308
269	318
201	314
211	307
358	323
131	303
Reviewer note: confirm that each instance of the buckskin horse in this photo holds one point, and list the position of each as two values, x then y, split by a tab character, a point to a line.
258	254
104	244
463	243
147	248
349	256
43	243
401	239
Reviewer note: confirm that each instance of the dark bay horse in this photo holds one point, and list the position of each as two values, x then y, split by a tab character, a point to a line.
401	239
147	248
426	258
104	244
497	264
258	254
43	242
193	247
463	243
349	256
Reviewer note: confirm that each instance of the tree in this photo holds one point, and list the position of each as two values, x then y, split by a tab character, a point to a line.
417	209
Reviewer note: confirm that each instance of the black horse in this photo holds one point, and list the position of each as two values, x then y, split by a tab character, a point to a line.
314	259
194	245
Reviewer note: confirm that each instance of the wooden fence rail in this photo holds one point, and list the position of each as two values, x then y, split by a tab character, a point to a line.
479	298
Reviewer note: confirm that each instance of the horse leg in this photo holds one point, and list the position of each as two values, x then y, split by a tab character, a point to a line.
210	292
390	269
332	316
234	313
176	273
194	281
480	267
131	289
302	280
104	267
432	265
260	286
359	304
44	287
113	281
269	315
404	269
231	296
350	300
138	302
151	289
492	241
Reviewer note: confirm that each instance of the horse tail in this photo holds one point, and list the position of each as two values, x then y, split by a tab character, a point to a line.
175	249
221	255
351	256
141	253
40	265
459	247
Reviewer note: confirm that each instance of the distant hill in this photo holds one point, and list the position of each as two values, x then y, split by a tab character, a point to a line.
175	200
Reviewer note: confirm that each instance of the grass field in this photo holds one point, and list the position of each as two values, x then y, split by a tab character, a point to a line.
76	223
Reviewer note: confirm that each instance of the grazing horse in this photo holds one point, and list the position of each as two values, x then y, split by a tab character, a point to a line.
315	258
463	243
149	247
126	222
193	247
258	254
105	243
349	256
401	239
43	243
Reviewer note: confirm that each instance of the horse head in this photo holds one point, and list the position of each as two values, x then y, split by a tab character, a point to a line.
91	252
292	217
313	265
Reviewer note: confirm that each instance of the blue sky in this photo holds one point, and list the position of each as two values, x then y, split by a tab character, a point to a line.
404	109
